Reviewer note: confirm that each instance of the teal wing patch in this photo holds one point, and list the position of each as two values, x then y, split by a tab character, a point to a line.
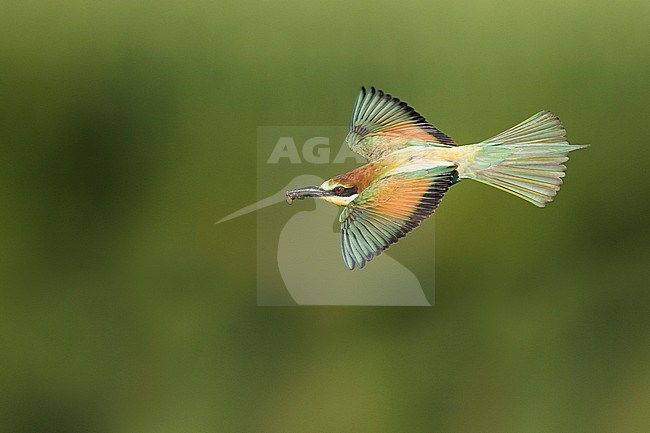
389	209
381	124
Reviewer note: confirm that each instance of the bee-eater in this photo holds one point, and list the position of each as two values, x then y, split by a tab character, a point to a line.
412	164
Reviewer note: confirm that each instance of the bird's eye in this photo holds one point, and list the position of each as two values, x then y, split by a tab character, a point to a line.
338	190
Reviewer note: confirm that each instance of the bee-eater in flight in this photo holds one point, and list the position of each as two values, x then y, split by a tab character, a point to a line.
412	164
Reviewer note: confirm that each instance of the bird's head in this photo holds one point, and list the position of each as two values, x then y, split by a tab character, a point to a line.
333	191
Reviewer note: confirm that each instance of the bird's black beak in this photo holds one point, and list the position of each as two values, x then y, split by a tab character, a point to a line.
308	191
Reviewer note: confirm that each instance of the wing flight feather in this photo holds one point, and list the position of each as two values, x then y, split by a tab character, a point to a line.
382	124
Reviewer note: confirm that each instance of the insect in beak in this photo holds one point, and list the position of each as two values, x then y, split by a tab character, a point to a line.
308	191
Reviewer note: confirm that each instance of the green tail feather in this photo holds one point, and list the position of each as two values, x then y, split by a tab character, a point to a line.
526	160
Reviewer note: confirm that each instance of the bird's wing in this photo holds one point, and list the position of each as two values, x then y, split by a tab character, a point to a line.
388	209
382	124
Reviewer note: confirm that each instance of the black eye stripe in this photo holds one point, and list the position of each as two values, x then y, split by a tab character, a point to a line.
344	192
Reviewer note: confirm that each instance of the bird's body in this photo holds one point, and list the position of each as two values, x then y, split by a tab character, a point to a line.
404	160
411	165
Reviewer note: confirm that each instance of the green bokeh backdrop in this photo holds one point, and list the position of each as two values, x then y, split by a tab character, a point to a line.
128	128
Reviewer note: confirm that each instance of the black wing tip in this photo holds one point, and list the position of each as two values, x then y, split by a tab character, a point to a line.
363	92
372	90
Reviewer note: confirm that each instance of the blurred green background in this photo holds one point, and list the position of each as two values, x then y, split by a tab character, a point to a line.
128	128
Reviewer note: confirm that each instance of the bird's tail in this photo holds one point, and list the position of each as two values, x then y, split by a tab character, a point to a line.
526	160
